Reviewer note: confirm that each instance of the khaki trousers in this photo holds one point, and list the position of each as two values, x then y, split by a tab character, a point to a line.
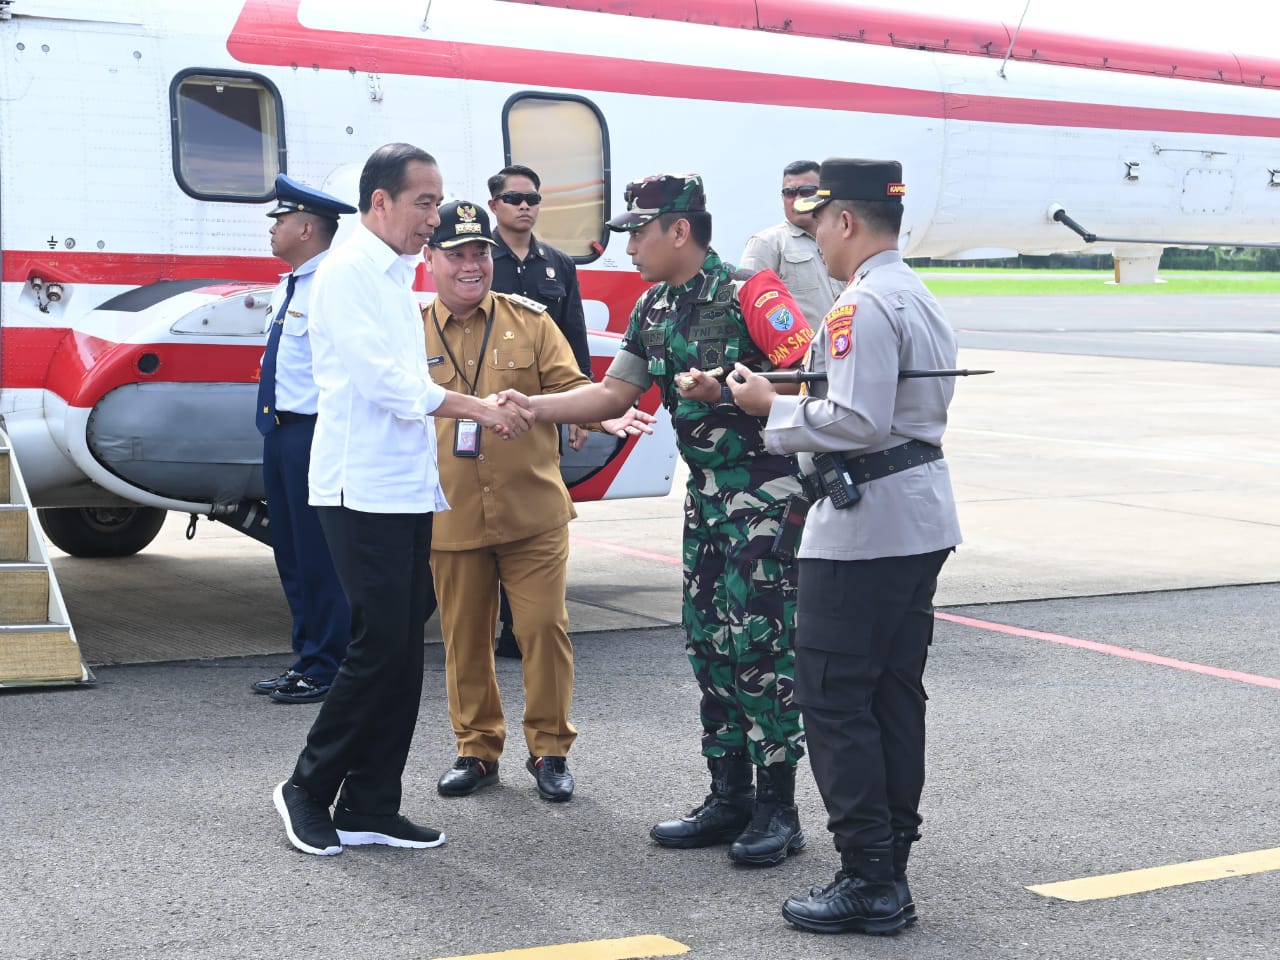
534	572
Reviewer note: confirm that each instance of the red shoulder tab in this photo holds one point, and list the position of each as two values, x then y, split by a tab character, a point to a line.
774	321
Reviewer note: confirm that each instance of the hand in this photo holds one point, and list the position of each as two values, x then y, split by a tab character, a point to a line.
513	396
697	385
752	393
577	436
633	423
507	418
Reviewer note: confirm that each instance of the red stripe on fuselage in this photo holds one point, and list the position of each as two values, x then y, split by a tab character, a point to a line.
848	22
269	33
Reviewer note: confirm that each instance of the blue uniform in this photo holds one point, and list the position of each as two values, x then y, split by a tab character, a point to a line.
321	615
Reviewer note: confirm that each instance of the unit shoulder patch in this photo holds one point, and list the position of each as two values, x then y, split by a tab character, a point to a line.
839	324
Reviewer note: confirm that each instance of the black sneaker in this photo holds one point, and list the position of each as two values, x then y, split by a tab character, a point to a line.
300	690
555	782
466	776
391	829
306	820
273	683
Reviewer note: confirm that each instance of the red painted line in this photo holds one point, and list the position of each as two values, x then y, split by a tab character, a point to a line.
1114	651
1107	648
629	551
268	32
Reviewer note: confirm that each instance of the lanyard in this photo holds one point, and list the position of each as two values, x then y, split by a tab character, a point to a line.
488	328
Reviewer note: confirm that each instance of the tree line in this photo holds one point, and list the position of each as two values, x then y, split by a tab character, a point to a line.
1173	258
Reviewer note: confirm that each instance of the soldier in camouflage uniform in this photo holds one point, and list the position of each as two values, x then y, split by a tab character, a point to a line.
739	583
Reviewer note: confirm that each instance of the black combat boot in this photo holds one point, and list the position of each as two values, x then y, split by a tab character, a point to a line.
721	817
902	840
774	830
862	897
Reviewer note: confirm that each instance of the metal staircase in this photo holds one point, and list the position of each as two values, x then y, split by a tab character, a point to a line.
37	644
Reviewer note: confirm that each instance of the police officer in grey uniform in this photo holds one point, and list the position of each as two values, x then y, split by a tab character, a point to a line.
881	526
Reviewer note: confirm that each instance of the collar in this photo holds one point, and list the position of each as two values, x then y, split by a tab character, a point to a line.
880	259
705	281
309	266
797	231
535	247
484	311
380	254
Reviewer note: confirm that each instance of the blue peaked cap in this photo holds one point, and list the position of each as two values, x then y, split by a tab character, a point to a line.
294	197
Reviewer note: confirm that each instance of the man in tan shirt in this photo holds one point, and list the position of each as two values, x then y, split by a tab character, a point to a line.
510	512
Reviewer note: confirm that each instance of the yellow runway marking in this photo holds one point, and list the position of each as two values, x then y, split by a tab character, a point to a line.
627	948
1156	878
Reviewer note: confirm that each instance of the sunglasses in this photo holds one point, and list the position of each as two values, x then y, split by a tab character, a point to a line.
515	199
808	190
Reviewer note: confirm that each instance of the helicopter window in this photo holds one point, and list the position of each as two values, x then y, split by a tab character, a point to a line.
228	136
563	138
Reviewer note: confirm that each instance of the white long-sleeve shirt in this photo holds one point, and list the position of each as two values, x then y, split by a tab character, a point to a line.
375	442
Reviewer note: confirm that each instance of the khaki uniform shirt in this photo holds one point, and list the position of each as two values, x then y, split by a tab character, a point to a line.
884	322
794	256
513	489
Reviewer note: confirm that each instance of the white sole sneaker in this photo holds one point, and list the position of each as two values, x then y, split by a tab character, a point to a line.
359	839
283	809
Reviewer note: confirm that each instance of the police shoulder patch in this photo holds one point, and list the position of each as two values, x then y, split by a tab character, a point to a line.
839	324
531	304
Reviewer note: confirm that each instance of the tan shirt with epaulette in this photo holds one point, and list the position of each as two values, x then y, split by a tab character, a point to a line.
513	489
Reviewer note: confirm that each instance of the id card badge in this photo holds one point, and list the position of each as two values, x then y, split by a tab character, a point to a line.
466	438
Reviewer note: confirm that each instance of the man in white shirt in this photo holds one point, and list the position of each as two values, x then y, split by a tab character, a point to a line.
375	484
790	251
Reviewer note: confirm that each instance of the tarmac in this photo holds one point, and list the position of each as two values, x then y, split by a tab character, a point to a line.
1103	691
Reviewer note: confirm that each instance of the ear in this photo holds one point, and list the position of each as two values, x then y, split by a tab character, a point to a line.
493	205
849	225
427	257
681	231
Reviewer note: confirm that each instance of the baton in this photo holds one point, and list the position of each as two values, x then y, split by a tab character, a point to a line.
805	376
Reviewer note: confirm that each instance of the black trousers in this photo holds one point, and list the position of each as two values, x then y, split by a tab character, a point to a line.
360	739
863	629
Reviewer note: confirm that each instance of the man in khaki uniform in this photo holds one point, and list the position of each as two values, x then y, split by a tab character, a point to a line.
510	512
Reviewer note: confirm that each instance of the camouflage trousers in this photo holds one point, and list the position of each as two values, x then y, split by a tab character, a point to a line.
739	619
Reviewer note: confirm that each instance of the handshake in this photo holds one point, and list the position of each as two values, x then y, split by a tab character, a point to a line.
511	413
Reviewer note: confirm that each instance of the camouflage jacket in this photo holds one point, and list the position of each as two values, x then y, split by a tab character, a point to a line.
701	324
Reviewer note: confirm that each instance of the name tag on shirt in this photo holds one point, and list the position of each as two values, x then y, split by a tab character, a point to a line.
435	361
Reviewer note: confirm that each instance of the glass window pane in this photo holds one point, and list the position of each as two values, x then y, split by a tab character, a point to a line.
227	134
564	140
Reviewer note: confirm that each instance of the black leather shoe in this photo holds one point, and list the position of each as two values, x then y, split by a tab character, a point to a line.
273	683
504	645
467	775
555	782
300	690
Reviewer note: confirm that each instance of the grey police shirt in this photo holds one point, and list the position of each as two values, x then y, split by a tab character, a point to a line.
885	321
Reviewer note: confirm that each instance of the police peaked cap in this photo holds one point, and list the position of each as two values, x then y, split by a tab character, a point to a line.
842	178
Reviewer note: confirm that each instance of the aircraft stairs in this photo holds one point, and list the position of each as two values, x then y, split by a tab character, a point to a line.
37	643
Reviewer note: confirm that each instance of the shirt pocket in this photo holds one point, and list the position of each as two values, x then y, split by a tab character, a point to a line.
517	369
443	374
550	291
295	323
800	273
